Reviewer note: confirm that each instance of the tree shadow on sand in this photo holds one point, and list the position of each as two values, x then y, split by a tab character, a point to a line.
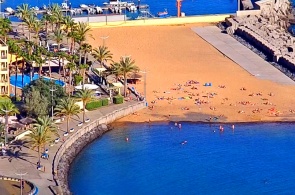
15	151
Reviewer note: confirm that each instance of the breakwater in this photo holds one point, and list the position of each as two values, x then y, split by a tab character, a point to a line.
78	140
267	32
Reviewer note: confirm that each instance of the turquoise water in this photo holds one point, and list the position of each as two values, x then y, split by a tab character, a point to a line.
252	159
18	81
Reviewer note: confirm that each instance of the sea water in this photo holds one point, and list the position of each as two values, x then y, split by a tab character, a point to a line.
249	159
189	7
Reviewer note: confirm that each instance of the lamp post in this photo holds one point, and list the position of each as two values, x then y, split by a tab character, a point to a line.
52	89
21	174
239	5
103	39
6	125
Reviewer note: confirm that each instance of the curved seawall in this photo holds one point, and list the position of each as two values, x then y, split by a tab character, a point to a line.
78	140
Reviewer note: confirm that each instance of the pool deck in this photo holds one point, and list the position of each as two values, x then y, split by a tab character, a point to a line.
241	55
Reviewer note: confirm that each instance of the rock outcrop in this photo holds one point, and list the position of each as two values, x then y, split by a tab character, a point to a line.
66	160
268	31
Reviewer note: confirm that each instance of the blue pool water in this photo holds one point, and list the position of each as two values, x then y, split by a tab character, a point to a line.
252	159
18	81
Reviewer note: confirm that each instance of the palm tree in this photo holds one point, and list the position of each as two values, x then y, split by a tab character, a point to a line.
45	21
37	26
58	37
39	61
115	69
102	54
82	31
83	68
57	15
7	108
62	55
127	66
69	24
86	48
39	137
47	123
71	66
84	95
23	11
68	108
30	22
5	28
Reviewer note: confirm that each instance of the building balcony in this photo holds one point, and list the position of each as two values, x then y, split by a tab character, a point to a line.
3	56
3	69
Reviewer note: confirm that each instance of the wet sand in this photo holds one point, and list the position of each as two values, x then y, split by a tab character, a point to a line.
172	56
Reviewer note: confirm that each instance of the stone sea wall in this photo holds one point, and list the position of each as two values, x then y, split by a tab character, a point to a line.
273	40
78	140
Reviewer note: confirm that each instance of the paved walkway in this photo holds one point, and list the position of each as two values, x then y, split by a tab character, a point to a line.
26	159
241	55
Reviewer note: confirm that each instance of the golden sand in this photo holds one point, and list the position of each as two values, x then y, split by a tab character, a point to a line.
173	55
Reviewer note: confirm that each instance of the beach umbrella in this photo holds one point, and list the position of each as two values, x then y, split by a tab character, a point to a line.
26	120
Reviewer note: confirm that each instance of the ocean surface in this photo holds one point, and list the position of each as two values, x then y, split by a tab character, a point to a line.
251	159
189	7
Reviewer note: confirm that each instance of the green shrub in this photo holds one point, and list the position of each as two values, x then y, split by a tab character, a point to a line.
118	99
105	102
93	105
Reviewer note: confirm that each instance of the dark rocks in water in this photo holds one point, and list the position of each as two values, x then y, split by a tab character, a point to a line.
67	158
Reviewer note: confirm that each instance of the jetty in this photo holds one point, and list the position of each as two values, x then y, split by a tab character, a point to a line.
266	30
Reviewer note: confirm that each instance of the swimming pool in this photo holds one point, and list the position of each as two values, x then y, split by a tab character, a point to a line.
17	81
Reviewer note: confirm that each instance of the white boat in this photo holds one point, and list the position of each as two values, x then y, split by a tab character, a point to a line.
118	3
65	6
131	7
35	8
9	10
98	10
83	6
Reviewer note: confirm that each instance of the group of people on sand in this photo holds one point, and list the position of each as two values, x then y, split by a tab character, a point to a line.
205	96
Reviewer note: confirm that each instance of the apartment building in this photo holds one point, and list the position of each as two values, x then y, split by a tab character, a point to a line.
4	70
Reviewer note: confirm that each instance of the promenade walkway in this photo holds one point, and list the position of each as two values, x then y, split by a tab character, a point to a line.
27	159
241	55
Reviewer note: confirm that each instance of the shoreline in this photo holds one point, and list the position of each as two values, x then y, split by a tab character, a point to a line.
179	55
71	147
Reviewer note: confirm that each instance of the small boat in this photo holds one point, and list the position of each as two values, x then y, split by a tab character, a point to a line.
98	10
163	14
66	4
131	7
83	6
9	10
35	8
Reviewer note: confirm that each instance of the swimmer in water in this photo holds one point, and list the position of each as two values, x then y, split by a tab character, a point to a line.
184	142
233	127
175	124
179	126
127	139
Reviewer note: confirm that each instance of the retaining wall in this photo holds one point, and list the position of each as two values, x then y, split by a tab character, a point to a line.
107	119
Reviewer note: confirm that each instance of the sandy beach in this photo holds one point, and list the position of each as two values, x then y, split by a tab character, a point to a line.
179	63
